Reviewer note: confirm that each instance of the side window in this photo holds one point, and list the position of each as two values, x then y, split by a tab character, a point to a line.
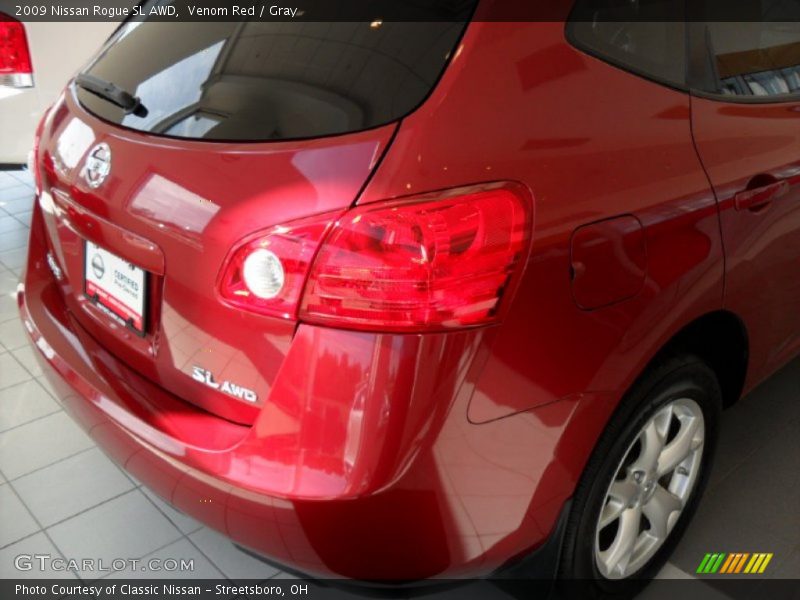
756	57
646	37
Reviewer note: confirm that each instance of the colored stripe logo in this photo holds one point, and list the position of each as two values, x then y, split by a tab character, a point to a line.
734	563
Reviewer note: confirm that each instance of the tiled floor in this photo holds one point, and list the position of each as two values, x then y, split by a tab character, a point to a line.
60	495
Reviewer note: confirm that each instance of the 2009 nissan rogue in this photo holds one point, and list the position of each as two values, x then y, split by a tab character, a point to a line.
398	300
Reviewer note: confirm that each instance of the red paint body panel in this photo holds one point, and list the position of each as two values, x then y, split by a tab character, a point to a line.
744	147
600	162
183	205
609	262
367	447
378	455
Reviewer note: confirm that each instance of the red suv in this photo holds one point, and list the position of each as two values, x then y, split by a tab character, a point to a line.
398	300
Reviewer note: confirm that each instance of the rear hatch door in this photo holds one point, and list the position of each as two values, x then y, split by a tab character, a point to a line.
238	127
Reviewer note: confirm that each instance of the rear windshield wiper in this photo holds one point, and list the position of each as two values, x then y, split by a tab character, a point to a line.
111	92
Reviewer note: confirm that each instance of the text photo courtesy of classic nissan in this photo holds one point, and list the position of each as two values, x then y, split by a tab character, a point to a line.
394	311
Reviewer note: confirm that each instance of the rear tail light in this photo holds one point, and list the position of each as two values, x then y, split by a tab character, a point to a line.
16	69
431	262
266	274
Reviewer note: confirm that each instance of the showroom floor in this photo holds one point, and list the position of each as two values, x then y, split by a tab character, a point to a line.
60	495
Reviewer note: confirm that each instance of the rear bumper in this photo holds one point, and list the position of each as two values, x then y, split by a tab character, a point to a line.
390	490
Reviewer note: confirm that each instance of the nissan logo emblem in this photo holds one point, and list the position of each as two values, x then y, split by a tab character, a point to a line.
98	165
98	267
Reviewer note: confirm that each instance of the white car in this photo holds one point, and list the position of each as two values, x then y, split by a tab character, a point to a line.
36	61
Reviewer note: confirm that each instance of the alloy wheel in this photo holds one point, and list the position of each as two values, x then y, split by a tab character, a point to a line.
651	487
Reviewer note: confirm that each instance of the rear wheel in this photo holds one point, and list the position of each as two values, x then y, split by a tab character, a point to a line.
644	479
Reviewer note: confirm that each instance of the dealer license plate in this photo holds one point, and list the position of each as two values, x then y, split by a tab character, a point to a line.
116	285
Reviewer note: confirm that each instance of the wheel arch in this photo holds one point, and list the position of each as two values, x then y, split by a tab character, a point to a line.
720	338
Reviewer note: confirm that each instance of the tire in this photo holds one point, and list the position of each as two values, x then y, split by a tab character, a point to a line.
676	403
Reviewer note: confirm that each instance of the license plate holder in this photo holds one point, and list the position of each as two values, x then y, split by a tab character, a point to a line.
116	286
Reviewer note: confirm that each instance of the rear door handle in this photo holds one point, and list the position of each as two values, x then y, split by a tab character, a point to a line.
759	197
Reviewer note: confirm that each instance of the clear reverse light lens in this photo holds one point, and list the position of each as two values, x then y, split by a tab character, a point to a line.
266	274
263	274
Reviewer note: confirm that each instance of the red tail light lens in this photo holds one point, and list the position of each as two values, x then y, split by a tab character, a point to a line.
427	263
266	274
15	57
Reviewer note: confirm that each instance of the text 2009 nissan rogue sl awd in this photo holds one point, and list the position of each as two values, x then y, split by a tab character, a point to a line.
400	300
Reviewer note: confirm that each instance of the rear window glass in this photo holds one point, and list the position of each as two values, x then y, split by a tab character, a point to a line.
255	81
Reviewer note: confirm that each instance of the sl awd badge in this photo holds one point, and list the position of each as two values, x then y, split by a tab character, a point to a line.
226	387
